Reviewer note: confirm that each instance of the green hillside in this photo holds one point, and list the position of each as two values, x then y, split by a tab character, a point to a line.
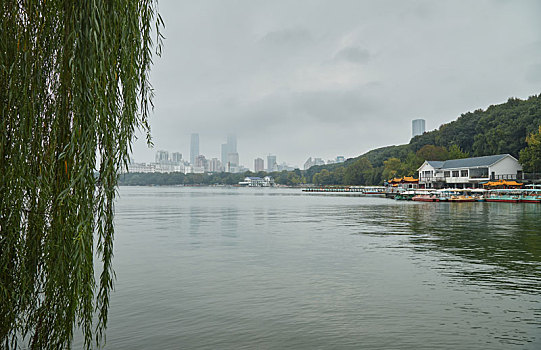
498	129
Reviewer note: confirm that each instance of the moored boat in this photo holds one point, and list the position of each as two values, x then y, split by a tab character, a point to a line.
425	196
531	196
405	196
504	196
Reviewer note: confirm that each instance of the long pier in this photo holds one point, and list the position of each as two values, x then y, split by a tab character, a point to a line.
358	190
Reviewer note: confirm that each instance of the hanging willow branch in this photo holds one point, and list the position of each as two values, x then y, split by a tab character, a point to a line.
73	90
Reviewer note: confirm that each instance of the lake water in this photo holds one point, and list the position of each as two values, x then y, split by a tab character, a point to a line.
231	268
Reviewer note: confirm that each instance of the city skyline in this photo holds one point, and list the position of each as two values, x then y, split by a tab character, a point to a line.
330	78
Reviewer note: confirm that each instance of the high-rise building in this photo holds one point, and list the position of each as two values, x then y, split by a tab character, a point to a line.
259	165
162	156
271	163
176	157
232	143
194	148
224	154
215	165
228	148
233	158
340	159
201	162
417	127
311	162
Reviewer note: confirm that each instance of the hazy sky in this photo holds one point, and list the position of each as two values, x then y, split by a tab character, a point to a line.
327	78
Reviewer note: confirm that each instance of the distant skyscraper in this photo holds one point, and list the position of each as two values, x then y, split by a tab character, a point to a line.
259	165
230	148
215	165
176	157
233	158
311	162
271	162
340	159
194	148
232	143
201	162
162	156
224	154
417	127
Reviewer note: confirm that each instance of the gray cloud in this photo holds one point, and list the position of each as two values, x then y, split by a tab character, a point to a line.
287	37
353	54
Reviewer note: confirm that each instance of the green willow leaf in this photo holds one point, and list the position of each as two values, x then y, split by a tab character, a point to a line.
74	88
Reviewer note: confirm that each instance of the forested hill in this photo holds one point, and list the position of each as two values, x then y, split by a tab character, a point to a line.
498	129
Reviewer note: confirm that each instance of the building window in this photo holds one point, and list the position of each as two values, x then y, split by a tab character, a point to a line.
478	173
447	174
464	173
455	173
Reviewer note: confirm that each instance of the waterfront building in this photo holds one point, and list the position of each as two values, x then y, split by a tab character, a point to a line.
406	182
468	172
255	181
141	167
252	181
271	163
194	147
268	181
259	165
417	127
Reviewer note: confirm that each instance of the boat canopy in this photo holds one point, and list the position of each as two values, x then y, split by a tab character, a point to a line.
500	183
405	179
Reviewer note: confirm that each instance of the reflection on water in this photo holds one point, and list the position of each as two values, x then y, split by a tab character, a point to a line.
492	244
208	268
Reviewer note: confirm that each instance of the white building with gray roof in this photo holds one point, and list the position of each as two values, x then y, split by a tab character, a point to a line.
468	172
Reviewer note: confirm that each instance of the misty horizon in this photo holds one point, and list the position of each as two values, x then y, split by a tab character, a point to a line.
322	79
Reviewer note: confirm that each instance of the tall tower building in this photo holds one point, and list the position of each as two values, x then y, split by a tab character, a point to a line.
233	158
271	163
162	156
228	149
259	165
224	154
215	165
176	157
194	148
232	143
417	127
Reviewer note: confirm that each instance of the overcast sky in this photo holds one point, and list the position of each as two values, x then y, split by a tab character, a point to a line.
327	78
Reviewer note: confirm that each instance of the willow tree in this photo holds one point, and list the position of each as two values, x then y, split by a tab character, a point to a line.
74	89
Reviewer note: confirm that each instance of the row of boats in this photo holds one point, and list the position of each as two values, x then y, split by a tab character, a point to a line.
528	195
